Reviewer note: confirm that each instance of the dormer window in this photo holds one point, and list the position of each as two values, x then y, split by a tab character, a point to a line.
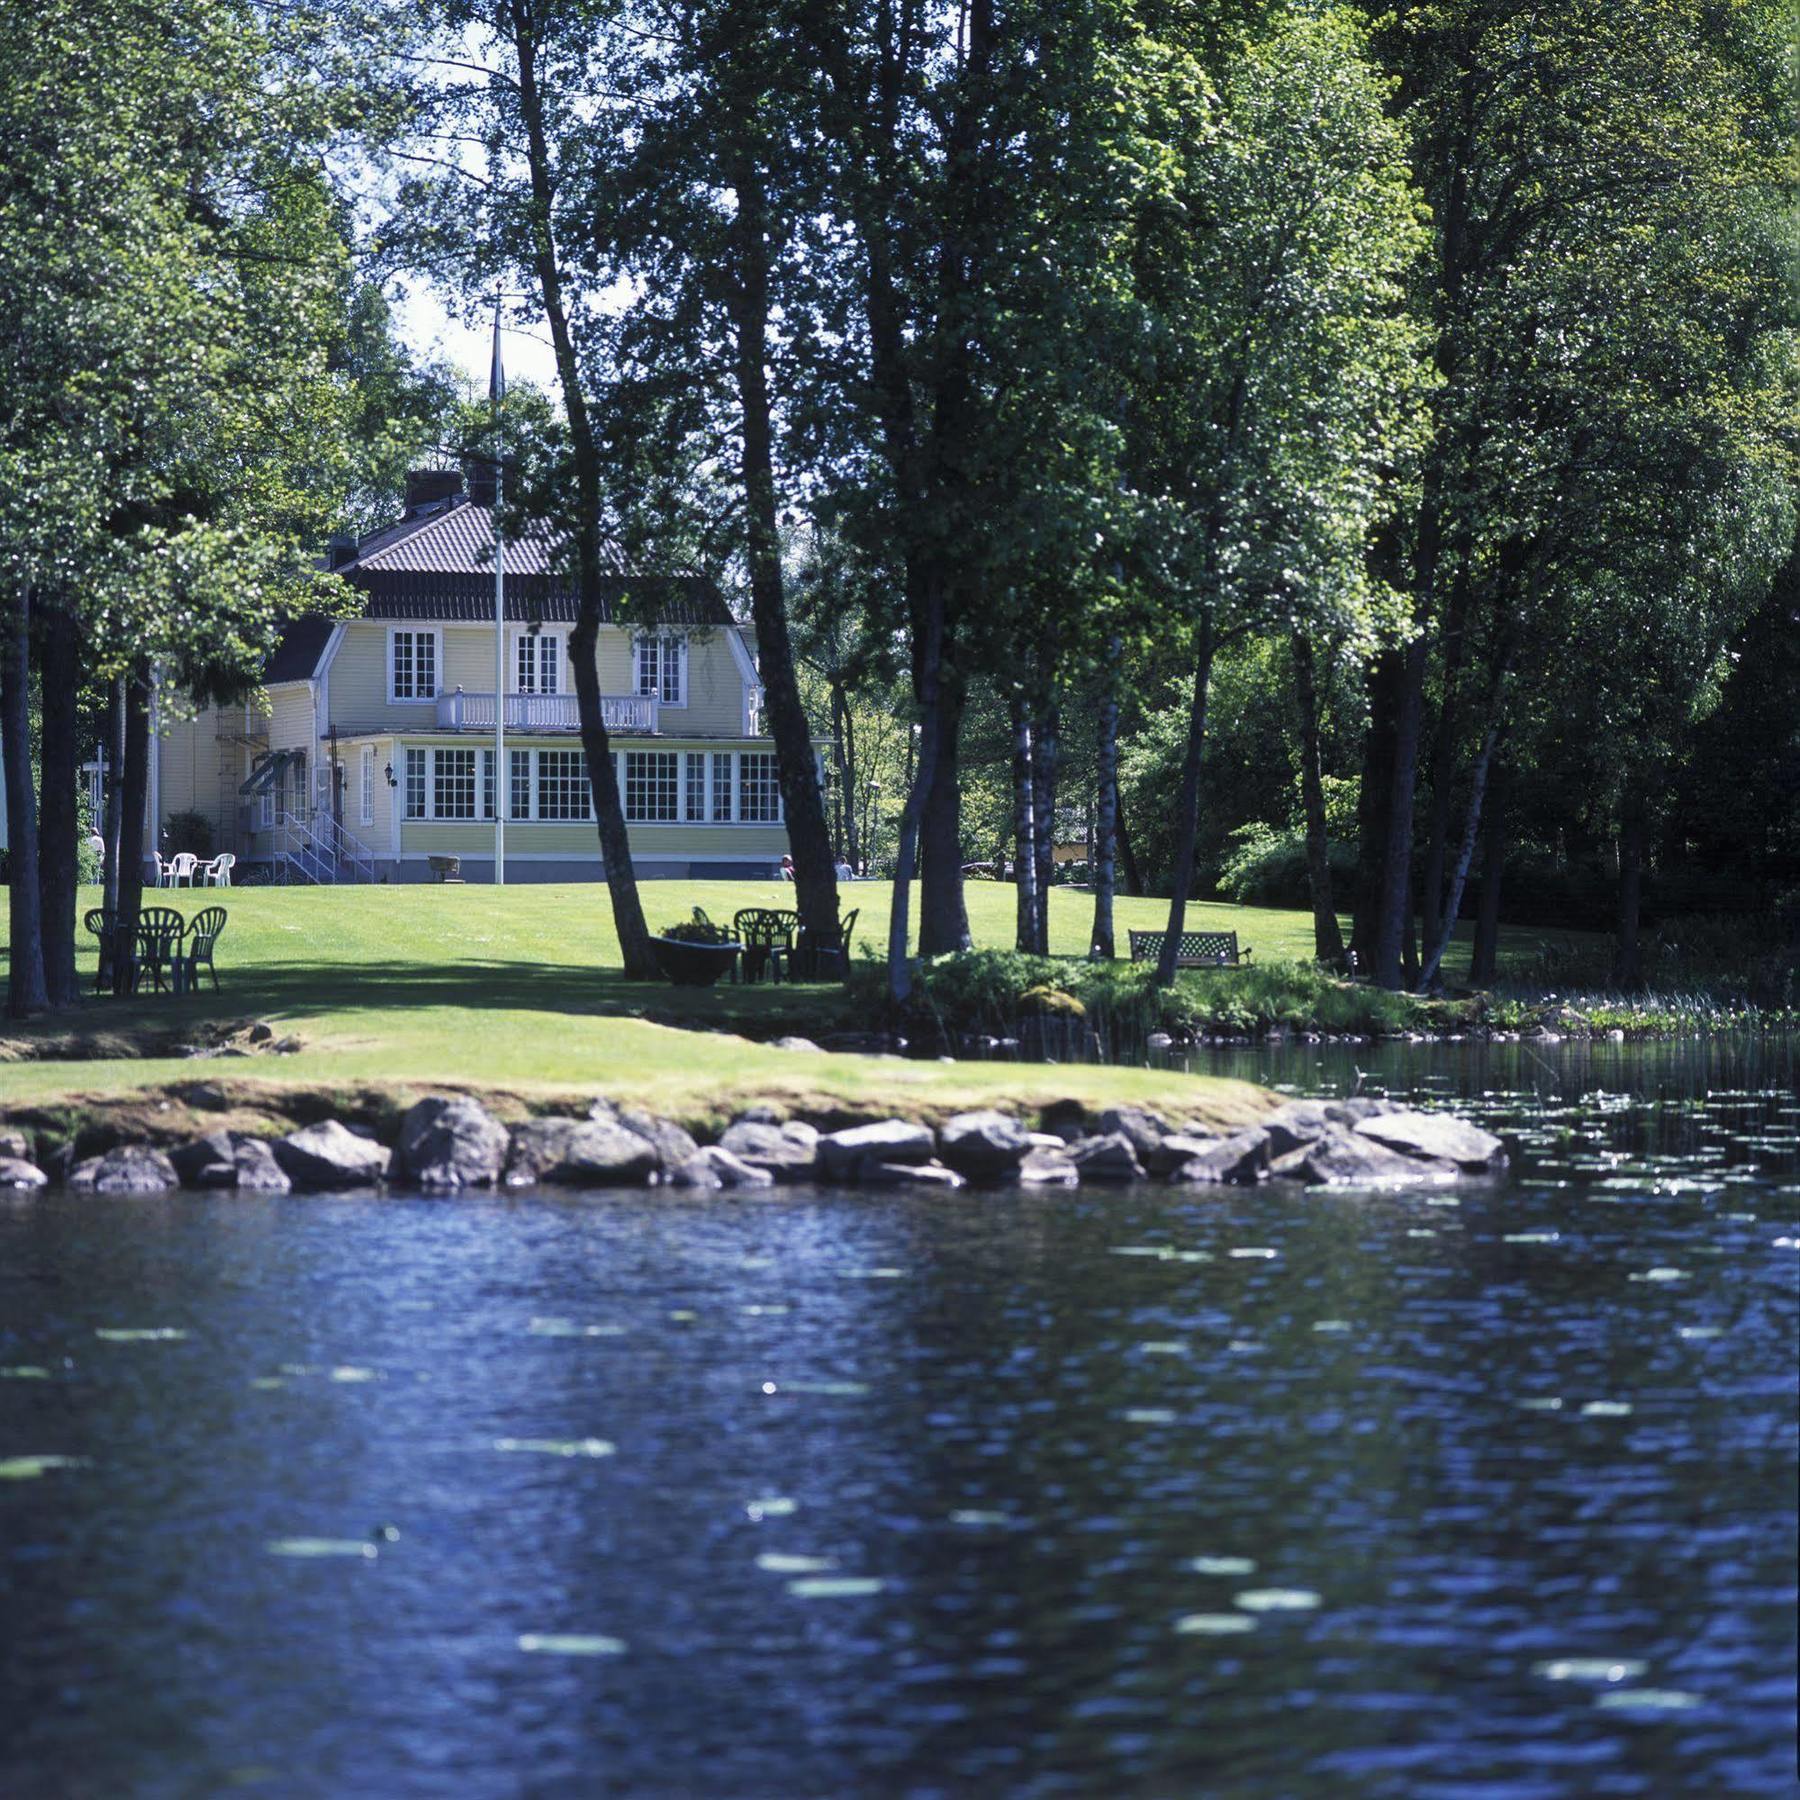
662	669
537	663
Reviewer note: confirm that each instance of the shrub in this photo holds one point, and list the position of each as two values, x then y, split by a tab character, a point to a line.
1267	866
187	831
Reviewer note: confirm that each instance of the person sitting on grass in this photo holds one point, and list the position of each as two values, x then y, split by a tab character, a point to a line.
787	868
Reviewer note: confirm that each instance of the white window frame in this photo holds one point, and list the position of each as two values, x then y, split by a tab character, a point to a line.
427	755
668	646
586	815
435	633
774	767
365	782
546	657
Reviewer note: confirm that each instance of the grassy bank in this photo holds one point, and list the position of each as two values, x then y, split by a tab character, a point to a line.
517	993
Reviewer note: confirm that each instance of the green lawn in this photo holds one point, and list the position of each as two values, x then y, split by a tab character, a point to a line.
519	989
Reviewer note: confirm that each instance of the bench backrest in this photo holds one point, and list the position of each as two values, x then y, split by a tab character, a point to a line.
1190	946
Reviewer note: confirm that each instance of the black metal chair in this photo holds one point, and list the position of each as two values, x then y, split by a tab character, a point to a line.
160	930
105	929
812	959
203	934
767	934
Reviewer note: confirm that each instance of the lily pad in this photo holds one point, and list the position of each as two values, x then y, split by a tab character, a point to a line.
970	1515
1606	1409
1542	1403
570	1643
1254	1253
815	1387
1147	1415
349	1374
1532	1237
775	1562
834	1587
1332	1325
1697	1334
320	1546
1647	1700
568	1328
1213	1624
1222	1565
771	1506
28	1468
1164	1347
556	1446
1589	1668
24	1372
150	1334
1262	1600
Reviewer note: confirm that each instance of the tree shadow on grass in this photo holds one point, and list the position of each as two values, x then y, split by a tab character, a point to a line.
283	992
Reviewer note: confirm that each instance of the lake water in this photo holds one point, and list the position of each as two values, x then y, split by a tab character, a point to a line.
1222	1493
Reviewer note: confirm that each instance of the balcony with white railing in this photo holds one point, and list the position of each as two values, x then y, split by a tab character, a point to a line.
627	714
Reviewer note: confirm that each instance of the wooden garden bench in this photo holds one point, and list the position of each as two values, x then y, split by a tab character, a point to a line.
1193	949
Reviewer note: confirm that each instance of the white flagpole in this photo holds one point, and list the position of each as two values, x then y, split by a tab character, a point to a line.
502	787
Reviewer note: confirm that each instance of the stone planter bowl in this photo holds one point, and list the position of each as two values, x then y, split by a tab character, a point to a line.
693	965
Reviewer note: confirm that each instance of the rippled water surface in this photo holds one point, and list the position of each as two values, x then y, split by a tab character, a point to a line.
1220	1493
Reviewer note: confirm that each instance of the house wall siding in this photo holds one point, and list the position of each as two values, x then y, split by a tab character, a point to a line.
359	679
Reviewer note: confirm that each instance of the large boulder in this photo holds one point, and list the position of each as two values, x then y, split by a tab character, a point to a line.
673	1145
447	1144
787	1151
1437	1138
230	1159
599	1152
534	1148
20	1176
716	1167
1177	1148
1048	1168
1108	1157
1241	1158
1142	1128
128	1169
330	1157
1348	1158
985	1146
844	1154
15	1146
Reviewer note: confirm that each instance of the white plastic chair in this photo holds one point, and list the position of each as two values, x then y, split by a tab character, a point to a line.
218	871
181	869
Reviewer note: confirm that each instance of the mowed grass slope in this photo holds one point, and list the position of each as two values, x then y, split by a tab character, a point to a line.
520	988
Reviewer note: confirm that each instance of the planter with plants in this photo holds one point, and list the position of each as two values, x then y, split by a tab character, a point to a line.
695	953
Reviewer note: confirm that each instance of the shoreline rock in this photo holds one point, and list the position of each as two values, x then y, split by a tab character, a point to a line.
449	1144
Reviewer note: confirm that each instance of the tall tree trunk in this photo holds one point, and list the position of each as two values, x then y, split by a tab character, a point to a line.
114	760
1628	956
134	792
943	914
1442	766
59	674
1372	802
1395	916
1328	939
843	749
26	993
1187	810
519	22
907	849
1484	956
1106	808
1478	780
1046	750
815	870
1128	862
1025	864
